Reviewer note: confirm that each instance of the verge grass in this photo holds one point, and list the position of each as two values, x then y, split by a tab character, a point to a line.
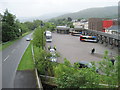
27	62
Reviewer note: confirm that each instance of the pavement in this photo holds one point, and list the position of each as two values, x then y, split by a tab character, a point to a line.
11	57
25	79
74	50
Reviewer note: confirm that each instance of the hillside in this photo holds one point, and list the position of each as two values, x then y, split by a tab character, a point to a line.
103	12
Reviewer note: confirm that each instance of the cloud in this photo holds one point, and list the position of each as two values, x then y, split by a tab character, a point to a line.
28	8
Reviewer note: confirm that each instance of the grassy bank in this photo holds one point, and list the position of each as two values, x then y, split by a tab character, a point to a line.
27	62
5	45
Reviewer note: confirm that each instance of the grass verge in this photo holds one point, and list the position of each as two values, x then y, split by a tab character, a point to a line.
5	45
27	62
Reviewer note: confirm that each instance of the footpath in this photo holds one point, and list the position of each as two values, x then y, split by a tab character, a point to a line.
25	79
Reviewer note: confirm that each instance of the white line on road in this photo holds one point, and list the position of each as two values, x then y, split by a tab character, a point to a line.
6	58
13	50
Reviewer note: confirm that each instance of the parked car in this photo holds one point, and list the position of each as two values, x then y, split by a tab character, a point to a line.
53	59
85	64
28	39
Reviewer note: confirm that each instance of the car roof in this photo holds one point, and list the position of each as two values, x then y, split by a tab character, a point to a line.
52	50
86	63
83	62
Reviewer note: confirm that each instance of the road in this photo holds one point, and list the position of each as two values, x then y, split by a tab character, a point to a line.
11	57
74	50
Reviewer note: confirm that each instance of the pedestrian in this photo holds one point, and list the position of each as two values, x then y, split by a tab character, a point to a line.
55	48
113	60
49	47
93	50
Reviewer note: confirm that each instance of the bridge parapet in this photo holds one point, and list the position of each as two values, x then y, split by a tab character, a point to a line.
104	38
104	34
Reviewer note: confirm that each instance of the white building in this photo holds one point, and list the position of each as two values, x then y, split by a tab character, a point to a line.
113	30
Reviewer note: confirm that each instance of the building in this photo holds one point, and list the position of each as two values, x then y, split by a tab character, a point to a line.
113	30
63	29
81	24
95	24
100	24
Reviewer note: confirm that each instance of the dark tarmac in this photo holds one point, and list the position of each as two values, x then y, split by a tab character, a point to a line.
25	79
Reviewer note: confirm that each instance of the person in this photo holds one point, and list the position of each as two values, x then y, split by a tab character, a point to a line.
93	50
113	60
49	47
55	48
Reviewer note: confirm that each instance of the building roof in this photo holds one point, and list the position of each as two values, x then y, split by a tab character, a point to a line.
62	27
114	27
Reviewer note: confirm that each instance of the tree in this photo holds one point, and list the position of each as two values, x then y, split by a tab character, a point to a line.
10	29
69	76
71	26
0	28
50	26
110	71
23	28
69	19
37	23
39	38
30	25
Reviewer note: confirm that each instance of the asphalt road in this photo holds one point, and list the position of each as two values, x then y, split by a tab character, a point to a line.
74	50
11	57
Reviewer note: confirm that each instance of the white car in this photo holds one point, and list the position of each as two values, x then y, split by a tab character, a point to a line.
52	50
53	58
28	39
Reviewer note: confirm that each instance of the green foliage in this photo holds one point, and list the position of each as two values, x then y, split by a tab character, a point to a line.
69	19
27	62
67	76
43	64
23	28
37	23
10	28
71	26
38	37
30	25
62	22
70	76
109	70
0	28
49	26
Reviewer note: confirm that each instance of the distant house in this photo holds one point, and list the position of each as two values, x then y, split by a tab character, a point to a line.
63	29
113	30
100	24
81	24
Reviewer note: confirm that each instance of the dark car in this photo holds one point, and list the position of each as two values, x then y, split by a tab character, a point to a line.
85	64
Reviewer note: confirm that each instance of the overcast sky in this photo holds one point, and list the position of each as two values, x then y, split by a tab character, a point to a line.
30	8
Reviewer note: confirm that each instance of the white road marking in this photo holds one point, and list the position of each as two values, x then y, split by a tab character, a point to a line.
13	50
6	58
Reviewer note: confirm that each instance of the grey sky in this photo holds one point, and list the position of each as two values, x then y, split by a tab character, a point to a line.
29	8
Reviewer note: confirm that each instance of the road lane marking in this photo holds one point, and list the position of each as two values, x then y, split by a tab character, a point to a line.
6	58
13	50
